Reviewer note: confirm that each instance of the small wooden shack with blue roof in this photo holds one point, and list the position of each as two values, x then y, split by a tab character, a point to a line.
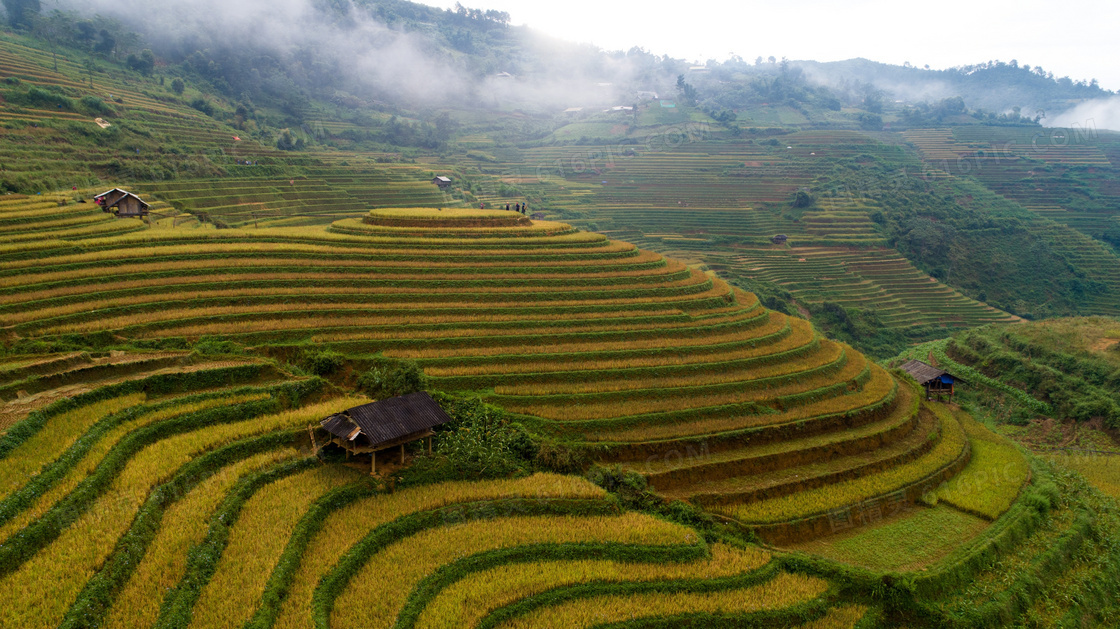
936	381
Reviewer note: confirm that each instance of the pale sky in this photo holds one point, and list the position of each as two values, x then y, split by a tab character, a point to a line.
1077	38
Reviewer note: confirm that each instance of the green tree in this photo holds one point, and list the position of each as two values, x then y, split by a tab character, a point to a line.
871	122
107	43
288	142
90	67
21	13
143	63
51	28
178	86
802	199
686	91
482	443
85	33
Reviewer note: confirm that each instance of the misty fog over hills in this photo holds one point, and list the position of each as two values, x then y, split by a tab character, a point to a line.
416	56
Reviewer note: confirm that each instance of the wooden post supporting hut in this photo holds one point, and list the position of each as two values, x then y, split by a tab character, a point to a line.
392	423
935	381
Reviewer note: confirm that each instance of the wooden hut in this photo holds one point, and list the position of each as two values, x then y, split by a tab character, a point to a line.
392	423
131	206
936	381
109	197
443	182
125	204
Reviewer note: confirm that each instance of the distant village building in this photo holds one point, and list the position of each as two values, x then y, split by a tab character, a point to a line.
503	75
125	204
779	239
443	182
618	108
392	423
645	95
935	381
668	104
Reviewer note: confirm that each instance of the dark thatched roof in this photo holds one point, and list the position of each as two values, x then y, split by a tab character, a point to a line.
923	372
388	420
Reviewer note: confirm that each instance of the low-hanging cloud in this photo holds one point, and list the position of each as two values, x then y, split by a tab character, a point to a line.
350	40
347	40
1101	113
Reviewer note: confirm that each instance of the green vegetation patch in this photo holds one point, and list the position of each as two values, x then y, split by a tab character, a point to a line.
912	541
850	492
991	481
1101	470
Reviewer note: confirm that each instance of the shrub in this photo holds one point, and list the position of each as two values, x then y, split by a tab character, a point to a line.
288	142
802	199
321	363
95	106
390	377
203	105
209	345
46	98
483	443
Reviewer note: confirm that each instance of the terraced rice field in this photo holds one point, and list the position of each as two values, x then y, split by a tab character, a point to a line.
160	487
1045	170
588	340
715	202
152	494
259	185
876	278
321	196
682	193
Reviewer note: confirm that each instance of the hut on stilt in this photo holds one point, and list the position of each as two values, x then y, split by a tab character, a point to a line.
391	423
